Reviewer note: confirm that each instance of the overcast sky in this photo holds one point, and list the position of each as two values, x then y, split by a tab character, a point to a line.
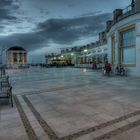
44	26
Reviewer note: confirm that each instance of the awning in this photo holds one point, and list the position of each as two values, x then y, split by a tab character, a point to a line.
82	56
93	55
96	55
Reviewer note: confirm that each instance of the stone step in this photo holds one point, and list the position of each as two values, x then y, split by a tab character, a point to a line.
38	130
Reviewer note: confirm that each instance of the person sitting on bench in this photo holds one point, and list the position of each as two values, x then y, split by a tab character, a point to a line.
108	68
120	70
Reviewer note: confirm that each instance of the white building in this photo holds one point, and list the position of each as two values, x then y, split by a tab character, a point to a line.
124	38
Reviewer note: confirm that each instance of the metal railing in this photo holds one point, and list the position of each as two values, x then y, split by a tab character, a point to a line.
128	9
126	12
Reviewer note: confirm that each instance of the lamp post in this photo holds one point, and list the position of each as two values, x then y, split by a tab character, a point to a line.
85	52
73	59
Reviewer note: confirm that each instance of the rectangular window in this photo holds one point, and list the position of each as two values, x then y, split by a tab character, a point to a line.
25	58
20	57
15	57
128	49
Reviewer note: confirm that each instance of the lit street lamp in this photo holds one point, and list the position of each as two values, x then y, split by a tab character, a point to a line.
72	54
85	51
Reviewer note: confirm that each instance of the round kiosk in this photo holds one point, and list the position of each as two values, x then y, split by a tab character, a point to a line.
17	57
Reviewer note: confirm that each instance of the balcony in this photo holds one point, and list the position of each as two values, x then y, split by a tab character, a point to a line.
128	11
120	14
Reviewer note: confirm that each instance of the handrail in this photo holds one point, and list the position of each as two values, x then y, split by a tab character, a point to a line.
127	9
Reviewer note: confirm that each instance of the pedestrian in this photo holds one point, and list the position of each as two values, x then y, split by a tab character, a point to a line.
108	68
94	65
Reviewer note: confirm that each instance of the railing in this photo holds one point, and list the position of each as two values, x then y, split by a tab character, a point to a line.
126	12
128	9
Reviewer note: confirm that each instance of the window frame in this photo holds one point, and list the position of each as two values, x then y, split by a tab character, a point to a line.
120	48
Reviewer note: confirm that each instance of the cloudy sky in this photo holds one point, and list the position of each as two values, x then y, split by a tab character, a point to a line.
44	26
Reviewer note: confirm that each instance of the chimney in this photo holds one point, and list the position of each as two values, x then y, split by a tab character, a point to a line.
116	14
108	25
137	5
133	4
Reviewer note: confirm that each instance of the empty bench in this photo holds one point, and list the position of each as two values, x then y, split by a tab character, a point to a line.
6	89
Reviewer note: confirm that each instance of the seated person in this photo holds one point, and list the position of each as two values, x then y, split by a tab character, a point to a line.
108	67
94	65
117	69
120	70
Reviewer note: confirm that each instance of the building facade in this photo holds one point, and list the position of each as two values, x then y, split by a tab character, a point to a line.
119	43
124	38
16	56
82	56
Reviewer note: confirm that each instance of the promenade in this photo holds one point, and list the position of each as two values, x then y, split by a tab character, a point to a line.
71	104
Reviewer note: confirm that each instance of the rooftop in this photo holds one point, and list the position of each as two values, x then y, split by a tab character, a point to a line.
16	48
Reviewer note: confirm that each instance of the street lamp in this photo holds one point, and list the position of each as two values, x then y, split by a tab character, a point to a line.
72	54
85	51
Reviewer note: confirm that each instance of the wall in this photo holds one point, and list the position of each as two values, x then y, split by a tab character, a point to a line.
137	5
132	20
138	48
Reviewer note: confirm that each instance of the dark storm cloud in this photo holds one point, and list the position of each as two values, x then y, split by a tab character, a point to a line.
91	14
30	41
1	27
60	31
5	15
66	31
5	9
4	3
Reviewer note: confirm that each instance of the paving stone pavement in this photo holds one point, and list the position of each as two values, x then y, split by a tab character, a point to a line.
70	104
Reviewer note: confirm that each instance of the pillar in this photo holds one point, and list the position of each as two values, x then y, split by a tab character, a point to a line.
23	57
18	57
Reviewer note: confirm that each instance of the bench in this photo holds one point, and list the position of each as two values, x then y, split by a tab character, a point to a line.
6	93
6	89
120	70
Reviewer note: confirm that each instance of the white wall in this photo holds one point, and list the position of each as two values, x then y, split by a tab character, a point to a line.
138	49
135	19
109	48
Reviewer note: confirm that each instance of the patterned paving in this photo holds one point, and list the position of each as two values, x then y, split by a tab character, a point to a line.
53	89
68	104
29	130
52	135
